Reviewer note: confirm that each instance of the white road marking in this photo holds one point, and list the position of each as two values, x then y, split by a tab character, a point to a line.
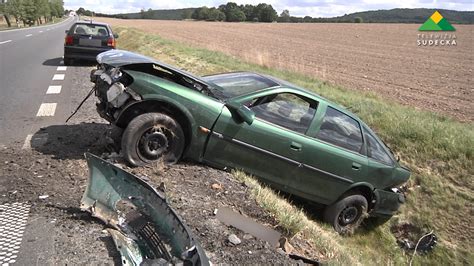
40	31
58	77
47	109
53	90
5	42
61	68
28	35
27	144
48	29
38	140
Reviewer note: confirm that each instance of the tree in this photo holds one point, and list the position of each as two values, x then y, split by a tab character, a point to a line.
235	15
186	14
215	14
249	11
4	13
31	12
284	16
15	8
232	12
266	13
307	19
81	11
358	20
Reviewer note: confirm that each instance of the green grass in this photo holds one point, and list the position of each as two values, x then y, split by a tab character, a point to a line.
439	150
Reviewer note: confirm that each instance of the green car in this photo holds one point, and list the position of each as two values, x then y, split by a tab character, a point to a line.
290	138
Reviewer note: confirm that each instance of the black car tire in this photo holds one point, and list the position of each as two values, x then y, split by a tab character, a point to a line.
68	61
346	214
151	137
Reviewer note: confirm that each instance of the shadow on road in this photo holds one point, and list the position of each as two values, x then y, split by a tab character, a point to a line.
71	141
53	62
57	62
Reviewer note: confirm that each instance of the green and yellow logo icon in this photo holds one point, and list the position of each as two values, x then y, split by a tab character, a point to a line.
436	23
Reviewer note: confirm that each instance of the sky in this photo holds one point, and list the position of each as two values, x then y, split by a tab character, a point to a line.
314	8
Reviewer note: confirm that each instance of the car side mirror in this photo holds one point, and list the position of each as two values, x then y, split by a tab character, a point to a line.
66	31
243	112
115	35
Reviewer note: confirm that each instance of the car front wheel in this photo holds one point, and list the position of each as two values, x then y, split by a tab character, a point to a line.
151	137
347	213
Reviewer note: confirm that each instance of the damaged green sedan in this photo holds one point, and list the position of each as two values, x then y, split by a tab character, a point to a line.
292	139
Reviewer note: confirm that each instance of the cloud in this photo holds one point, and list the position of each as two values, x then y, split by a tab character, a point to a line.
314	8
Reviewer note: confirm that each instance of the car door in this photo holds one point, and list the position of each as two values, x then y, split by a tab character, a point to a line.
332	158
269	147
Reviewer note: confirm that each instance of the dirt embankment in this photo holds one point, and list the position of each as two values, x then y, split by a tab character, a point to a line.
383	58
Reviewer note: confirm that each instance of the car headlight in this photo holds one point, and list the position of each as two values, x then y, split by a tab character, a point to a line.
115	74
116	95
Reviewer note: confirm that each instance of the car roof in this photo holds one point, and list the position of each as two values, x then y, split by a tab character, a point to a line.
275	82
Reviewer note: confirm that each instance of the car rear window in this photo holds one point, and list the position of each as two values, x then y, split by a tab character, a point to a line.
91	29
234	84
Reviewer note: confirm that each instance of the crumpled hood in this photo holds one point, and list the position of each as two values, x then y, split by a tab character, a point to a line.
117	58
120	58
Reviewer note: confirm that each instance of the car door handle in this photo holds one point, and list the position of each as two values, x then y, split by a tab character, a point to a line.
356	166
295	146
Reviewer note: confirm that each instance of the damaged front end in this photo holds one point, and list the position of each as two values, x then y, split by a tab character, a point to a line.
145	229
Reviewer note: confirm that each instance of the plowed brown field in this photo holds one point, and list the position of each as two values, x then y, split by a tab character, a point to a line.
383	58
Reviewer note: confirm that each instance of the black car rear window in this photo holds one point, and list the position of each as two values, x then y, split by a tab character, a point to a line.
90	29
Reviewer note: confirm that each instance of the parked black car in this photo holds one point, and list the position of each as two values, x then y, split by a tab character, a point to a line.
85	40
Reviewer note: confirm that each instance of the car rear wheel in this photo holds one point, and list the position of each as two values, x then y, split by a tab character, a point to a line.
347	213
151	137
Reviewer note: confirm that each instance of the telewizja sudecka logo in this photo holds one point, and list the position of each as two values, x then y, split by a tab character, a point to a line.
436	23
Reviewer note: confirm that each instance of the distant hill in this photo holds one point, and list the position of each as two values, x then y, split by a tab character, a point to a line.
163	14
397	15
406	15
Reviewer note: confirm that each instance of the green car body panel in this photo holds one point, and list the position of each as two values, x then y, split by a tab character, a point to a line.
295	162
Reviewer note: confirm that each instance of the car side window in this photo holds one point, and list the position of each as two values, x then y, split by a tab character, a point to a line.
340	129
286	110
376	150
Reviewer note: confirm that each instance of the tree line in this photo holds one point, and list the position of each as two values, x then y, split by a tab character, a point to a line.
232	12
31	12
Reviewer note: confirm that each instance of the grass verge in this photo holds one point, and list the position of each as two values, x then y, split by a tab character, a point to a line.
4	27
439	151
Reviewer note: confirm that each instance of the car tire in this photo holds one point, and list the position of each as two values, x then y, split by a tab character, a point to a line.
68	61
152	137
346	214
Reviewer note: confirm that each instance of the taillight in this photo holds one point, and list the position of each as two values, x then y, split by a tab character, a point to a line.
111	42
68	40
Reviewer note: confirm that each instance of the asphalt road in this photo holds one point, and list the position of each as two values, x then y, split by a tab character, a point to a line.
29	59
39	92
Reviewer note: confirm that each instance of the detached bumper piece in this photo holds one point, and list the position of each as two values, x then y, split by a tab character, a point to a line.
387	202
145	229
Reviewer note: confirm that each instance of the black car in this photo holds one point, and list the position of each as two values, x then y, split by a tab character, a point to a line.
85	40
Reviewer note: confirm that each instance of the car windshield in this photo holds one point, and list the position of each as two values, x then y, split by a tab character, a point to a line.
235	84
91	29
